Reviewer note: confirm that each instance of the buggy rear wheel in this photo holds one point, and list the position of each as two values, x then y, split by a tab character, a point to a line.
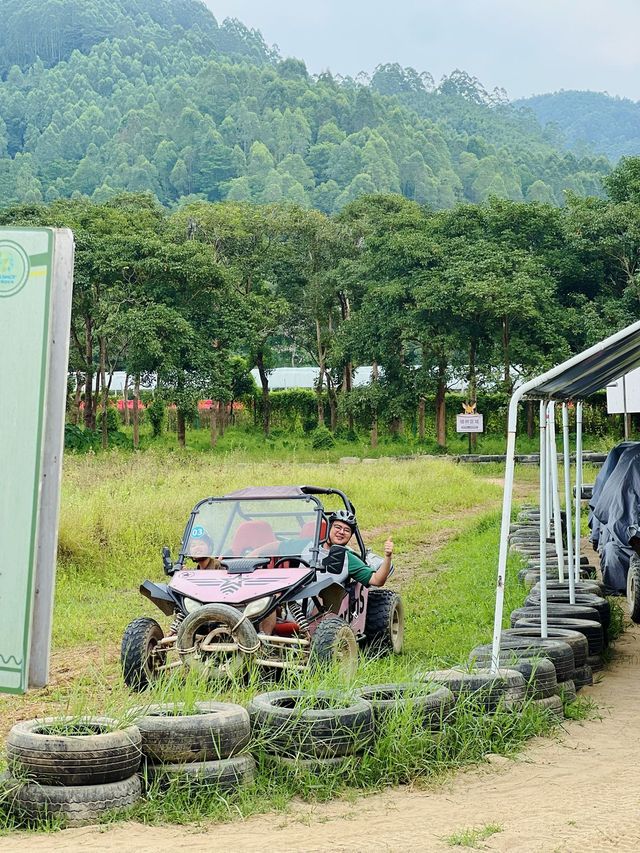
633	589
384	625
334	643
139	656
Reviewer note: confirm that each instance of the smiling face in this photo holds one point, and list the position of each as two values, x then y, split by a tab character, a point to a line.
340	533
199	549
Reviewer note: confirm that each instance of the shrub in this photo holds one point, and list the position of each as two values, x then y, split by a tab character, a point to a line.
322	439
156	412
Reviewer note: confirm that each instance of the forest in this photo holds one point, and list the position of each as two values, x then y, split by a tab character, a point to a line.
198	296
154	96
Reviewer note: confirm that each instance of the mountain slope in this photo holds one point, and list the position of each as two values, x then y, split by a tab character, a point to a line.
153	95
590	121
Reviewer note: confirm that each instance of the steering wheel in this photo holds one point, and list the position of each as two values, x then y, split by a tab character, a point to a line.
299	560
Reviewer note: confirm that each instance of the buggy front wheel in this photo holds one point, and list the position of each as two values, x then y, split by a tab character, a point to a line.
633	589
138	654
334	643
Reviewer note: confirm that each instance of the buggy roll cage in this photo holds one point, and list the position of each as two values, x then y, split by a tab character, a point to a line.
306	493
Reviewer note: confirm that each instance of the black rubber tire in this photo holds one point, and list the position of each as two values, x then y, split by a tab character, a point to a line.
384	624
552	705
583	676
227	774
539	675
561	596
295	723
333	643
591	629
214	731
233	664
570	611
490	690
577	641
633	589
139	640
595	662
77	805
111	754
557	652
432	706
589	586
317	766
566	690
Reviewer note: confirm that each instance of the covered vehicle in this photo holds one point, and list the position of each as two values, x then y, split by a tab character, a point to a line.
271	558
615	514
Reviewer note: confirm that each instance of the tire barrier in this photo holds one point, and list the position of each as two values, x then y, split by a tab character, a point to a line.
75	768
299	724
589	628
577	641
432	707
490	690
199	747
557	652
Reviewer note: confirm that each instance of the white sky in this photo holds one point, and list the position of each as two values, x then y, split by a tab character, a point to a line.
526	46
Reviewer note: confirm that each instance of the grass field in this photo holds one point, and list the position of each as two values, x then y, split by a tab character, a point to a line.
119	509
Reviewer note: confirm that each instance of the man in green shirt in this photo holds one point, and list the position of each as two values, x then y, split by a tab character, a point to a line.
342	525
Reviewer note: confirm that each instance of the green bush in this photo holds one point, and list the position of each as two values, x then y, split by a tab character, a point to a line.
156	412
322	439
113	420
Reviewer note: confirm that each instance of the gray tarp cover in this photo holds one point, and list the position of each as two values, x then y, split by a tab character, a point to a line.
616	516
603	475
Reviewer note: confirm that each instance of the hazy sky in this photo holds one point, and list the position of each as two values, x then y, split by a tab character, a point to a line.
527	46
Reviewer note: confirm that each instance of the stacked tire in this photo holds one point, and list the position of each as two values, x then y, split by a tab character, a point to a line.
75	769
430	706
482	689
313	732
198	748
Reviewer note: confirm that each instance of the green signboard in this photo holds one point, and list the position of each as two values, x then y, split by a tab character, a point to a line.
26	338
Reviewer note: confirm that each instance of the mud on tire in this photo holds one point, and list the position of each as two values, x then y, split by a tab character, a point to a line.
333	642
384	626
633	589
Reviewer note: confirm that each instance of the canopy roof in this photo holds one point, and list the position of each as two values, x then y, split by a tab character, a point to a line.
588	371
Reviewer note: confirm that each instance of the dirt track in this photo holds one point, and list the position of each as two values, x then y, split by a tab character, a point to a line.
579	791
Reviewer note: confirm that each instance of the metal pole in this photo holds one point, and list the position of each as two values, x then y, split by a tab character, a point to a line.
568	502
543	518
555	481
504	528
578	486
549	477
624	407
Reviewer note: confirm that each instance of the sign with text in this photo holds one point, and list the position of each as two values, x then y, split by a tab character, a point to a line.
36	273
469	423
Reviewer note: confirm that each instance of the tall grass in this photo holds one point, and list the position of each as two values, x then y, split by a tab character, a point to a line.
119	509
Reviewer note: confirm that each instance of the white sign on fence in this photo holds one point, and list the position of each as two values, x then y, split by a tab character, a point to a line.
469	423
36	275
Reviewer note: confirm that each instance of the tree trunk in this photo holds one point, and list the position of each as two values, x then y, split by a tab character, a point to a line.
105	390
182	428
88	384
213	427
506	358
333	407
221	419
441	408
530	422
96	398
374	417
76	417
347	385
125	392
473	383
136	411
266	402
422	404
320	384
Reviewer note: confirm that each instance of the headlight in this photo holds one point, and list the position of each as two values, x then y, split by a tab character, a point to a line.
256	608
191	605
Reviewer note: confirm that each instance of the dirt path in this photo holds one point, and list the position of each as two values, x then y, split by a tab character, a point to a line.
575	792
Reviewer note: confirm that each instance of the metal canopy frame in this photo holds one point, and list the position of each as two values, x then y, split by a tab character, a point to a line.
573	380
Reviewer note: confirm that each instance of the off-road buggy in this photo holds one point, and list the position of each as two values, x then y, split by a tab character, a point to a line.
270	544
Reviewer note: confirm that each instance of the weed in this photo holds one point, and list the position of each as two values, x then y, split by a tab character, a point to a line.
473	837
